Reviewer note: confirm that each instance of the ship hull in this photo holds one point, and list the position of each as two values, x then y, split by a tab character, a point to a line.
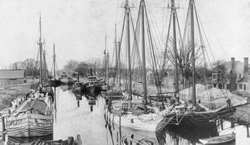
139	123
200	120
27	124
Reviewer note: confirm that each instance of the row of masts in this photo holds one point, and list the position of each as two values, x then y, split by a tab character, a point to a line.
174	15
43	65
126	25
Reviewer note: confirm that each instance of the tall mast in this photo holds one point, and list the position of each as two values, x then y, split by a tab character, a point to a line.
44	63
143	55
108	67
105	58
41	52
173	10
54	60
193	50
54	65
116	59
119	64
129	57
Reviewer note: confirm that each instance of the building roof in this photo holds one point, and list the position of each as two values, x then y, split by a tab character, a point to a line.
11	74
245	79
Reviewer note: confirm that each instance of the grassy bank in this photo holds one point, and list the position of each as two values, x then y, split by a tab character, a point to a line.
11	92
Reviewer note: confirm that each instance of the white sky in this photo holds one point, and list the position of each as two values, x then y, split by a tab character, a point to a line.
78	27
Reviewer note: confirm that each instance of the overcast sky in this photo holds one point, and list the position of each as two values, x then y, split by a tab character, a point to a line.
78	27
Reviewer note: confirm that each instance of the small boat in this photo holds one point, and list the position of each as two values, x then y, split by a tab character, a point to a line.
30	119
92	84
218	139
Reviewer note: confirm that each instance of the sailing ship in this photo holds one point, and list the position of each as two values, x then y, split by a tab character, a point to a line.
197	116
131	111
33	117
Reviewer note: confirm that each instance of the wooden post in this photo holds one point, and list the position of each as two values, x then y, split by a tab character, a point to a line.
91	108
78	103
120	130
247	126
221	123
3	130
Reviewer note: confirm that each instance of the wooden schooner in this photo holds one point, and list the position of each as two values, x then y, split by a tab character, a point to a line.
131	111
195	117
34	116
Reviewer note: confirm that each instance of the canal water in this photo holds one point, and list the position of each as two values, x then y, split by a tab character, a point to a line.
88	121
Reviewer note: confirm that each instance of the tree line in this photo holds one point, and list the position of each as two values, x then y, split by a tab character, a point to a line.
84	67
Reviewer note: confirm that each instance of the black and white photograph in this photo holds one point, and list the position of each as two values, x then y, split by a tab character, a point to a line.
124	72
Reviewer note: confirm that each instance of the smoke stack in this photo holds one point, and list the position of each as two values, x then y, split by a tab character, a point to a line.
246	66
233	76
233	62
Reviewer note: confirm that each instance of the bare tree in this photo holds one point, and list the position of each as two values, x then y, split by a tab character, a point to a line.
71	66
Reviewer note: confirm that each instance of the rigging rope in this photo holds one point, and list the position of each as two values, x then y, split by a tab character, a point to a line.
153	55
214	33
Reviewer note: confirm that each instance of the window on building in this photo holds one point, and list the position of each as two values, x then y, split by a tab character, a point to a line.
245	86
240	86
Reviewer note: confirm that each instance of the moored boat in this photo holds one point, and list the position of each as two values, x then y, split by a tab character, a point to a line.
131	111
30	119
92	84
196	115
218	139
33	117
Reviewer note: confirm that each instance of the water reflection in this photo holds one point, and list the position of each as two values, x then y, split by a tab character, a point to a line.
65	86
126	136
170	135
92	98
174	135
